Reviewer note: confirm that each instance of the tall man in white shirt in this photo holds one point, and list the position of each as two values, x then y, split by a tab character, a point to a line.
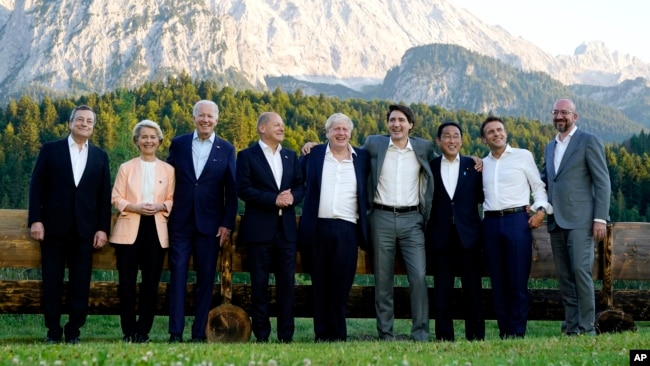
400	188
70	215
334	223
509	177
269	181
579	188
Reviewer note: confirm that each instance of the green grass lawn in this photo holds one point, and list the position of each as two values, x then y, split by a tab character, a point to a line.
21	339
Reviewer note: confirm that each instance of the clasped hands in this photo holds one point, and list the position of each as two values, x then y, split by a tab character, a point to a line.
284	199
147	209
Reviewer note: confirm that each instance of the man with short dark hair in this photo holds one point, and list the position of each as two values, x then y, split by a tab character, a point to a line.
453	234
510	176
70	215
400	190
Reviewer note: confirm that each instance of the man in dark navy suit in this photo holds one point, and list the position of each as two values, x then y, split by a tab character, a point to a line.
205	207
453	235
334	223
70	214
270	182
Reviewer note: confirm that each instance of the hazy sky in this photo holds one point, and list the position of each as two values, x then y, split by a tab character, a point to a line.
559	26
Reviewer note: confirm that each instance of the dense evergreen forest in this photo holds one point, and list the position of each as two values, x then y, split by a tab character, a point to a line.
25	124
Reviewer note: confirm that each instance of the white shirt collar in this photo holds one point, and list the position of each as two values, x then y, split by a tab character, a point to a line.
264	146
196	136
457	158
408	144
72	142
352	152
573	131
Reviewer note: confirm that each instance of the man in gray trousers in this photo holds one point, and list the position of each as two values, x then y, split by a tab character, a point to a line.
577	181
400	190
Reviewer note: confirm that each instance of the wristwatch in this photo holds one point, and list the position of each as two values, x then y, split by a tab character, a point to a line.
541	208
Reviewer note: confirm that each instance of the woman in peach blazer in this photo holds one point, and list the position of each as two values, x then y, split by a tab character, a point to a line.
142	194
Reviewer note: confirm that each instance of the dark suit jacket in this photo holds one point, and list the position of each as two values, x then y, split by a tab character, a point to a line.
580	191
54	199
257	188
463	208
212	198
312	166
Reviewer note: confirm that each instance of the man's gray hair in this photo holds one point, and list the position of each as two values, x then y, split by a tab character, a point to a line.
205	101
336	117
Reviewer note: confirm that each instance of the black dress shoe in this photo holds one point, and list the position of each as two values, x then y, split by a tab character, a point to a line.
49	340
175	338
141	338
128	339
73	340
198	340
262	340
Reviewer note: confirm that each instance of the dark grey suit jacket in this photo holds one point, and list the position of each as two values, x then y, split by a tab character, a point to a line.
580	190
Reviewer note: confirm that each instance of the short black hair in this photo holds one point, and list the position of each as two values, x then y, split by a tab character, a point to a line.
449	123
402	108
488	120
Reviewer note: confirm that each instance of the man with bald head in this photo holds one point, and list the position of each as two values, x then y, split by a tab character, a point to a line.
578	185
269	181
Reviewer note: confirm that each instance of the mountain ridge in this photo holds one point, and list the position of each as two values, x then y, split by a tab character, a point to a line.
100	45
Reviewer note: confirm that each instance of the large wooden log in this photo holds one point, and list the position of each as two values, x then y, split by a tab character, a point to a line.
18	250
624	255
23	297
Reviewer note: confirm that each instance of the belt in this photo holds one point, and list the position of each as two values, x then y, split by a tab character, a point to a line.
505	212
392	209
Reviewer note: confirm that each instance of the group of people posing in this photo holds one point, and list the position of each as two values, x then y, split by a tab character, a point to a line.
379	197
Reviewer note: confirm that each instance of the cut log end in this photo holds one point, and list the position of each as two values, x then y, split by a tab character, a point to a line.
228	323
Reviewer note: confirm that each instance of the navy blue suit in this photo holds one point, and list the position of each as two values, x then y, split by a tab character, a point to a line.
201	206
330	246
270	237
454	246
71	215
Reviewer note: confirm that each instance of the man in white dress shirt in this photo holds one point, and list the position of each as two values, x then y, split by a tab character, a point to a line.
509	177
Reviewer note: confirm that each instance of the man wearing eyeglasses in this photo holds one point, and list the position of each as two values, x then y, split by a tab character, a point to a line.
577	181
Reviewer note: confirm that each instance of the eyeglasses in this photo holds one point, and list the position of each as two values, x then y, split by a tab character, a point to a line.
563	112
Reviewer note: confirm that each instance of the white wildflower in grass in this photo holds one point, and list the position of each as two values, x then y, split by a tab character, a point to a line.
15	360
306	362
251	363
272	362
58	362
405	362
